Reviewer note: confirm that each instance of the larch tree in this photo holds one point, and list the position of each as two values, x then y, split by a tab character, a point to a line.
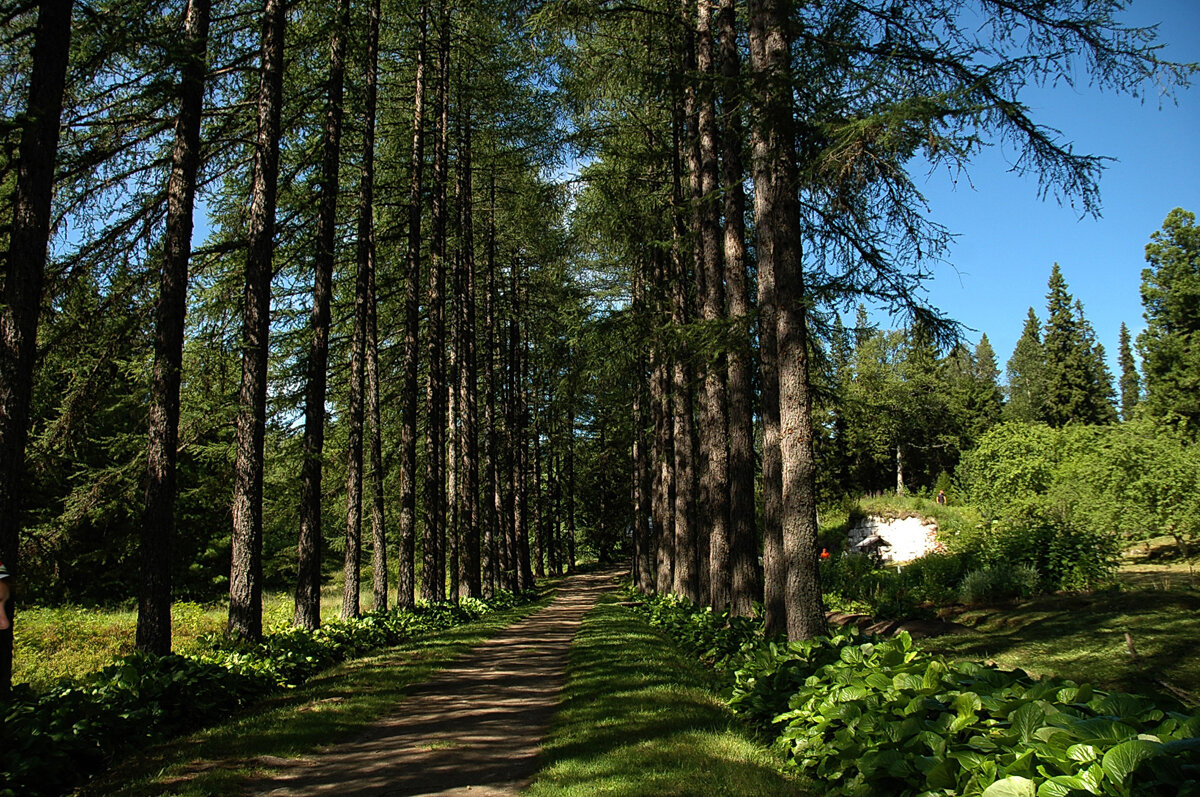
24	272
158	524
1130	384
245	577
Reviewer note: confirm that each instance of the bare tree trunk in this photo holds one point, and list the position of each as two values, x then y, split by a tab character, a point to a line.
366	253
406	574
526	571
491	521
23	277
469	572
540	552
899	470
743	542
308	580
777	220
644	549
158	520
245	576
714	420
570	465
664	448
433	582
354	454
686	582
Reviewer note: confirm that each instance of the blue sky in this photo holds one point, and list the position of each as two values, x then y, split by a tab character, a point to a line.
1008	239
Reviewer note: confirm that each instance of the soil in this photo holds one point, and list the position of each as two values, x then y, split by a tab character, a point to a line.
474	729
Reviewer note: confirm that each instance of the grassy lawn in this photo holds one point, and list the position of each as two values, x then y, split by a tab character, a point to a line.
332	707
68	642
640	718
1082	637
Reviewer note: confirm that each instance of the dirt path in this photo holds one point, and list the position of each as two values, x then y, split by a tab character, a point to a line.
476	728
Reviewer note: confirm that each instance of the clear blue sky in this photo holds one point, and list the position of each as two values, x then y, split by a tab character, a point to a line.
1008	238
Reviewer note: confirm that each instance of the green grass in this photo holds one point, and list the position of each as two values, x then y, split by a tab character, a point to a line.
333	707
69	642
640	718
1082	637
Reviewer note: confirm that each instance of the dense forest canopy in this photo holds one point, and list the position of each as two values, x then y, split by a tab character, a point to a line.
279	274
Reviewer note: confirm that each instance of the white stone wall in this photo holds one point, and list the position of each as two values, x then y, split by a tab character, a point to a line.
903	538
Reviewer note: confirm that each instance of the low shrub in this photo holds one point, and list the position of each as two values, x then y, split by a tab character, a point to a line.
997	584
52	741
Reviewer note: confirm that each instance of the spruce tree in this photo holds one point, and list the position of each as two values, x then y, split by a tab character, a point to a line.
1025	371
1077	386
1170	344
1130	381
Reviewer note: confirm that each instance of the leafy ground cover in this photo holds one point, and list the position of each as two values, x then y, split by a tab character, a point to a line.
871	716
53	740
640	716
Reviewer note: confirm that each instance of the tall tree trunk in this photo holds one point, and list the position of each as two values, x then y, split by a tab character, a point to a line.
644	549
454	445
570	466
469	563
899	470
354	421
493	499
664	446
714	420
687	583
697	402
743	541
308	582
158	520
524	558
433	583
366	254
406	573
23	277
245	575
777	220
536	510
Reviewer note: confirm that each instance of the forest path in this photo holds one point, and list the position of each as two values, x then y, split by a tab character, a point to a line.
476	728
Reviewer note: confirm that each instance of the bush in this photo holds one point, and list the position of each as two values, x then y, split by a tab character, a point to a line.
996	584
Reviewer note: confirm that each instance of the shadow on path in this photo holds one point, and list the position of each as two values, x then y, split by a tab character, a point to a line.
476	728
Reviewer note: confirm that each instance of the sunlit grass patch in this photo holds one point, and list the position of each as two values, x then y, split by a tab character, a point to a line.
639	718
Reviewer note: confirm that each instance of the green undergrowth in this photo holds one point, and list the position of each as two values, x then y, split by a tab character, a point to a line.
869	716
53	740
640	717
68	643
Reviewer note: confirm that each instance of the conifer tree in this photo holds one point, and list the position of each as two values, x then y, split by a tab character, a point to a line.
1077	387
1130	381
1026	370
1170	344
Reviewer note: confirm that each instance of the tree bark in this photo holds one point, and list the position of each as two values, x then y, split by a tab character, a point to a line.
308	584
714	432
470	566
644	548
406	573
23	278
743	541
777	220
494	499
158	520
433	581
664	447
366	254
245	576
